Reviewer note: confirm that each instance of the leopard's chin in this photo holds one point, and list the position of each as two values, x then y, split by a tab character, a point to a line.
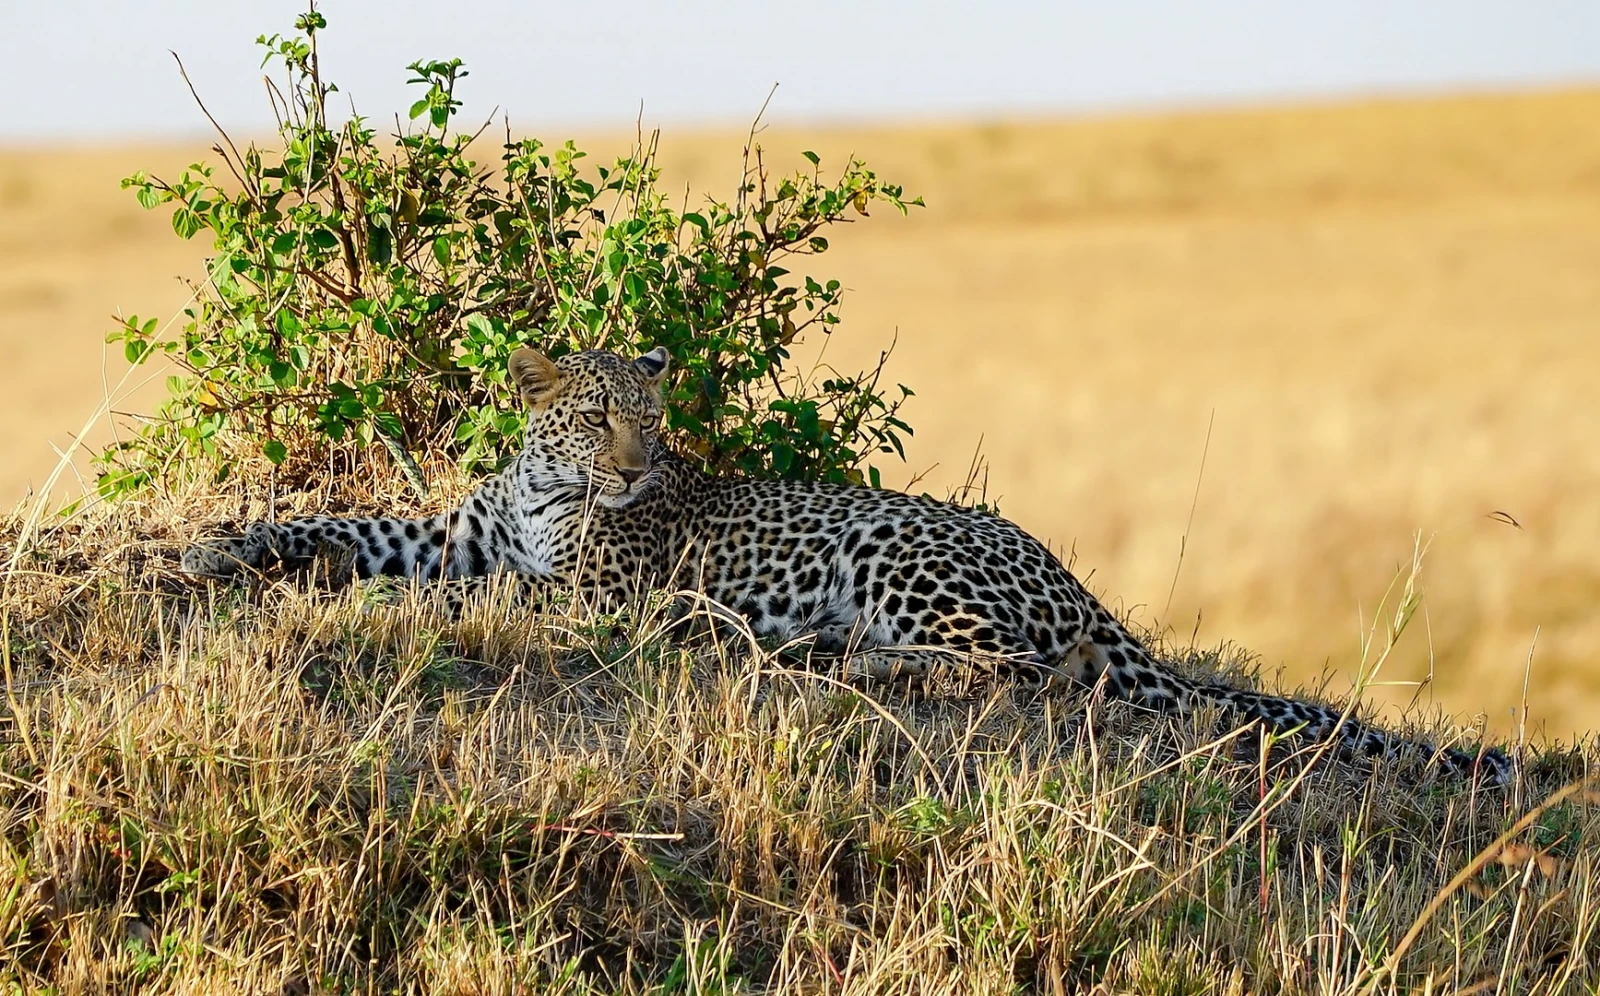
622	499
630	495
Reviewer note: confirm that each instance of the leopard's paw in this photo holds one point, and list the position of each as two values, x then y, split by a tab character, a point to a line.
220	557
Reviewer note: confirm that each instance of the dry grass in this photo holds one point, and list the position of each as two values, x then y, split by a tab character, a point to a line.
1390	308
280	789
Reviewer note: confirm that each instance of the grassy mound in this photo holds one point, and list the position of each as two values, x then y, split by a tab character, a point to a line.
283	789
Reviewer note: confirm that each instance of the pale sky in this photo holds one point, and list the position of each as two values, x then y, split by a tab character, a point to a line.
93	69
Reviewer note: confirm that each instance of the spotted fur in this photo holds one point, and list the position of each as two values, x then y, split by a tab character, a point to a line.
598	504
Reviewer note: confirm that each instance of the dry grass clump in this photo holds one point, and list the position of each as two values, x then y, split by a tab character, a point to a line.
282	789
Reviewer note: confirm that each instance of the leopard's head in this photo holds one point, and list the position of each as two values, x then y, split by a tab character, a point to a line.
595	416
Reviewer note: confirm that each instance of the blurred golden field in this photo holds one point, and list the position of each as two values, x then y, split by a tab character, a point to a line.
1384	315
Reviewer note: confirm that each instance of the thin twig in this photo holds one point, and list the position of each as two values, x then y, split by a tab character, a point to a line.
1183	541
238	175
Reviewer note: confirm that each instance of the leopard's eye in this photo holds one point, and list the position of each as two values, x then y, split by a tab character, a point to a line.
596	419
652	420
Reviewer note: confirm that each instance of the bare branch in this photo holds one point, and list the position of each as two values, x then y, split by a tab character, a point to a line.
237	170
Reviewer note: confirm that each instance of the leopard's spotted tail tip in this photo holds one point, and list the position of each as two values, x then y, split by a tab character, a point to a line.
1491	767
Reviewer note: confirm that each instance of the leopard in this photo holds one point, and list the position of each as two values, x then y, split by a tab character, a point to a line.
901	585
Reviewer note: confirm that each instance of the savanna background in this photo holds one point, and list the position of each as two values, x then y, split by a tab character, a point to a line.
1256	312
1238	362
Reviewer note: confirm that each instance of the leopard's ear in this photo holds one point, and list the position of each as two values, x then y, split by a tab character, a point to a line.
536	377
654	365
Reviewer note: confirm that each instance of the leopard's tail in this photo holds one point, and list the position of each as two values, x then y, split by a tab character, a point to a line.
1353	739
1128	670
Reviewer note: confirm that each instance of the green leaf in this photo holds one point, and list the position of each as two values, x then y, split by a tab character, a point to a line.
634	288
380	244
275	451
185	222
389	423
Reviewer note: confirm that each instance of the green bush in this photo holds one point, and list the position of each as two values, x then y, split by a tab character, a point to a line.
367	290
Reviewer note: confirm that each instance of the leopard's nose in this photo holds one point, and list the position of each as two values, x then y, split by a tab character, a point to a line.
629	475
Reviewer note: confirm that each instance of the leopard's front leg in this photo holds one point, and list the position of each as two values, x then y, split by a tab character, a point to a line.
368	546
225	556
